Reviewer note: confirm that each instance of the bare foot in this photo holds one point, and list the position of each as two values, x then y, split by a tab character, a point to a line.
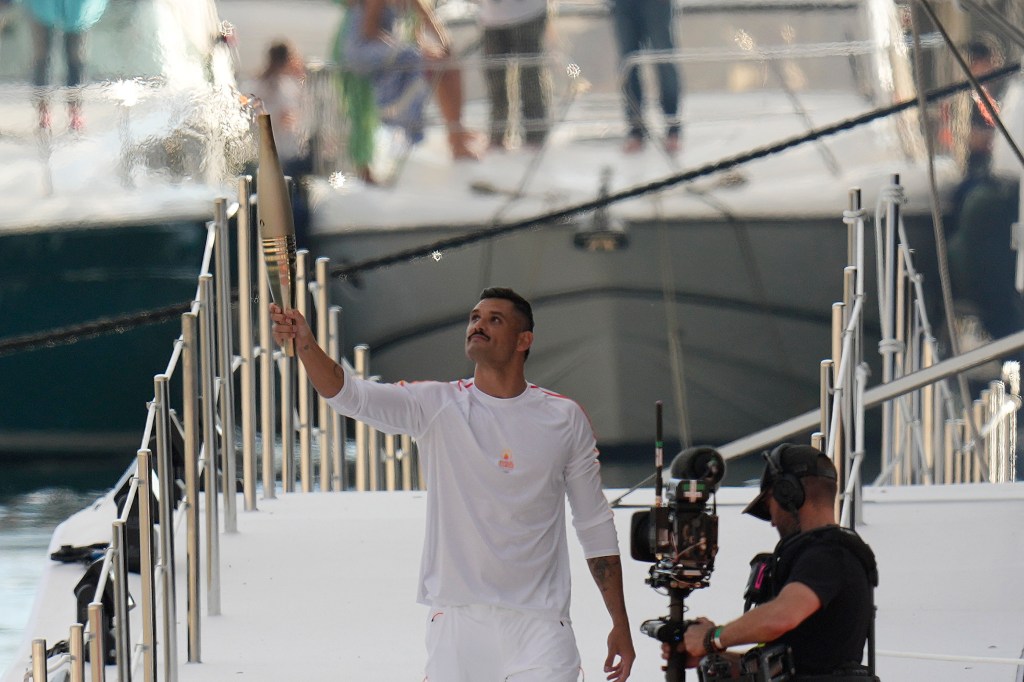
464	145
365	175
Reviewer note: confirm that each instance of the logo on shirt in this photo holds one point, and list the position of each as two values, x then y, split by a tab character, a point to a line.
506	463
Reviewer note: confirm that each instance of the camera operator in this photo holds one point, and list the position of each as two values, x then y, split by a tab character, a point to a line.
814	594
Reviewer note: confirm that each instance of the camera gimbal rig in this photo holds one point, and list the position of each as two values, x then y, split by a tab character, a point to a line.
680	539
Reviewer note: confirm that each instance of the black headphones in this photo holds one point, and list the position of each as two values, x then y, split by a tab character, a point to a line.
787	489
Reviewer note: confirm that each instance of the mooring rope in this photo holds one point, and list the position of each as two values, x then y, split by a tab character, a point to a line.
124	323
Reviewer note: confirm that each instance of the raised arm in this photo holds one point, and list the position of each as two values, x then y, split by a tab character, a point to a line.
607	572
431	26
327	375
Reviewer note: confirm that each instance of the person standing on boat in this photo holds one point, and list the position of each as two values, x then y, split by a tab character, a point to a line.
647	25
501	457
510	28
814	593
388	75
73	19
279	91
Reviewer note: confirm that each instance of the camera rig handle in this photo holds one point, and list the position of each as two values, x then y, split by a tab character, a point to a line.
670	630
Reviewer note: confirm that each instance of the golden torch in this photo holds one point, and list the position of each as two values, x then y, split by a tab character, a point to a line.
276	223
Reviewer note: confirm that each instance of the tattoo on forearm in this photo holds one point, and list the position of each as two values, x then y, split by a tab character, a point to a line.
604	569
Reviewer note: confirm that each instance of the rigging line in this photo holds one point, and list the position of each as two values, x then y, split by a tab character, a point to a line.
941	252
121	324
71	334
826	154
88	330
984	99
565	214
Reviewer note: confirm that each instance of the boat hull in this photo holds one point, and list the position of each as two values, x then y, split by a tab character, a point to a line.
88	395
724	321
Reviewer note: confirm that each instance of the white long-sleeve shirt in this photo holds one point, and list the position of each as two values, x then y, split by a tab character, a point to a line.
498	472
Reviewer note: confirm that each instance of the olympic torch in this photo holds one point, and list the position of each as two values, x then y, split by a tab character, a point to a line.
276	223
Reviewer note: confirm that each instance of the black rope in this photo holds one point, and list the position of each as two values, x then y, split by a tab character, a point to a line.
124	323
90	330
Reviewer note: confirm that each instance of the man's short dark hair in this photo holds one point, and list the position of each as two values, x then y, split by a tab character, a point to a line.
521	305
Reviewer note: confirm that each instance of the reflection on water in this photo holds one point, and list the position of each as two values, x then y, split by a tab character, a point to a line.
29	511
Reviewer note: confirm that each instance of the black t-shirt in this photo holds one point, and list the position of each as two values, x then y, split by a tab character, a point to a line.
834	635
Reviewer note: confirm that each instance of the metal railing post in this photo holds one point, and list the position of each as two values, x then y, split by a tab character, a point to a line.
888	344
390	455
337	430
122	635
76	647
209	450
373	464
286	367
420	474
362	367
406	445
247	371
825	400
929	424
165	473
977	451
837	427
323	283
224	364
96	659
997	453
267	382
987	441
190	359
305	413
145	495
1011	372
39	660
849	337
948	457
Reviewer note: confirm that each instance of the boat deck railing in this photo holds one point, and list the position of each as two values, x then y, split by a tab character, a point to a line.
190	435
600	84
932	432
191	441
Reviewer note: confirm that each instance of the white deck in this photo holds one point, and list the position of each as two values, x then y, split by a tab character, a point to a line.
322	586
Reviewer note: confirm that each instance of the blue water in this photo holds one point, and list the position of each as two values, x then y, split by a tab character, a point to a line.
35	496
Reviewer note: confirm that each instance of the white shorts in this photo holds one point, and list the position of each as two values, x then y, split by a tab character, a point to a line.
480	643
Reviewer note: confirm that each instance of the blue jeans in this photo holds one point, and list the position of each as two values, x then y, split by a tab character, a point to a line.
639	25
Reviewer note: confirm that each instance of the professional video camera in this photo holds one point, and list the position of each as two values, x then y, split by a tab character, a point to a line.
680	539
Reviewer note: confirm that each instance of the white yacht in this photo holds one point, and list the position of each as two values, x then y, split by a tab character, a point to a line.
308	571
757	322
708	284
